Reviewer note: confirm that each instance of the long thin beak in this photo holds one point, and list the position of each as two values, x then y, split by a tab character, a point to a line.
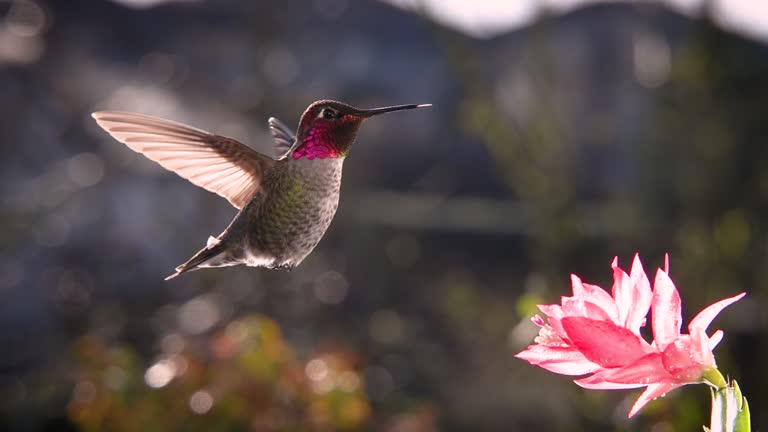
376	111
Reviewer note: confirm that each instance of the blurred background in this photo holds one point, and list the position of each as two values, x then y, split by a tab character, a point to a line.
563	133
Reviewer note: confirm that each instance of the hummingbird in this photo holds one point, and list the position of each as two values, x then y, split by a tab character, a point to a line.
285	202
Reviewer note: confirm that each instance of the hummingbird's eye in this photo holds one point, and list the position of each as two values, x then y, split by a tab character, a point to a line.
330	114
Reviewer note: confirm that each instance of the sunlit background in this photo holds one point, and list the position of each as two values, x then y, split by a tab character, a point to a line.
563	133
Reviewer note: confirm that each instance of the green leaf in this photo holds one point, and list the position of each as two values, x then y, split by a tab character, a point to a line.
743	423
730	410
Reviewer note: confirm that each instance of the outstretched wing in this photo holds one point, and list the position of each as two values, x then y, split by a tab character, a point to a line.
283	136
215	163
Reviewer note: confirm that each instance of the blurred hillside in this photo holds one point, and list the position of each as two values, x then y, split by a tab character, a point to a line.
612	129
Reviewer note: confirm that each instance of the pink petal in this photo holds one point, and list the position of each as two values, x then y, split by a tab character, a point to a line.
560	360
715	339
687	356
640	297
603	342
704	318
666	316
621	286
595	295
577	286
582	307
551	311
597	383
574	306
596	312
632	294
646	370
554	313
701	351
652	392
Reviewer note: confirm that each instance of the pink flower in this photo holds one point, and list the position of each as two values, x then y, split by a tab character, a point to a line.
562	348
594	333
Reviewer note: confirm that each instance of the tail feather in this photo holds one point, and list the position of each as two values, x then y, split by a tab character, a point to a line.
210	251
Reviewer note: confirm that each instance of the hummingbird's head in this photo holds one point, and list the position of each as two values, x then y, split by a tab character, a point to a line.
328	128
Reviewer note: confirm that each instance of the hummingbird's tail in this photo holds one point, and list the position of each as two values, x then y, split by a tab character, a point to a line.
209	256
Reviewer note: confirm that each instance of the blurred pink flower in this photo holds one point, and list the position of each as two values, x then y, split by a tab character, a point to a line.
594	333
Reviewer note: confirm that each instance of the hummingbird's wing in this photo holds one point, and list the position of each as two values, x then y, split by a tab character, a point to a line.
215	163
283	136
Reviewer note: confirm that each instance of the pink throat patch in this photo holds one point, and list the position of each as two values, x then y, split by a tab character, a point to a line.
316	145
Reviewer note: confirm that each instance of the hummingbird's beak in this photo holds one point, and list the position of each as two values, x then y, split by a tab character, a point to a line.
376	111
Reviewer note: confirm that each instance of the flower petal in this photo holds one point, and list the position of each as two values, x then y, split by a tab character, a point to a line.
646	370
701	352
641	296
687	356
626	377
621	290
666	315
538	320
551	311
703	319
715	339
596	295
560	360
583	307
597	383
554	313
603	342
652	392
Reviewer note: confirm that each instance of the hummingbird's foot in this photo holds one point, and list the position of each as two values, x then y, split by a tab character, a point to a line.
284	267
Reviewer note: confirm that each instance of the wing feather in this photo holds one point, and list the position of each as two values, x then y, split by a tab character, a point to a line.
218	164
283	137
